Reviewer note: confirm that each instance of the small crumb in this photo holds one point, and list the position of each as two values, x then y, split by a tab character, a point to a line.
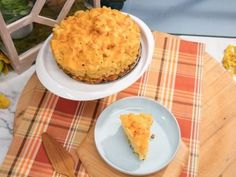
152	136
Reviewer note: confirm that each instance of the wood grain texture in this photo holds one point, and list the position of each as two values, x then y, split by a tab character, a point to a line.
60	159
218	120
96	167
24	100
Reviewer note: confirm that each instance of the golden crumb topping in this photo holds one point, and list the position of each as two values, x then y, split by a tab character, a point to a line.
138	130
97	43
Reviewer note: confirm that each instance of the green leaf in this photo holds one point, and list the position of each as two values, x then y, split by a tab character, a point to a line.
1	66
5	70
24	12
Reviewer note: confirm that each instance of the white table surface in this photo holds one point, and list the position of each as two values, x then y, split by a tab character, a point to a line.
13	84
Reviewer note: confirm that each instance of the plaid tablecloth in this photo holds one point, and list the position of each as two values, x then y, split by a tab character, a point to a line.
173	78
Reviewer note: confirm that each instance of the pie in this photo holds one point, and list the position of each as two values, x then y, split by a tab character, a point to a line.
137	127
97	45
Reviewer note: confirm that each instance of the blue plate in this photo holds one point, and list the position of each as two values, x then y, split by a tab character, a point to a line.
112	143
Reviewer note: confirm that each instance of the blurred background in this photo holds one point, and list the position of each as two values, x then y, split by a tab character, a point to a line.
188	17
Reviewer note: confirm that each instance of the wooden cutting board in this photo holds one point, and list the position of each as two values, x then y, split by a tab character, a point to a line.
218	120
24	100
96	167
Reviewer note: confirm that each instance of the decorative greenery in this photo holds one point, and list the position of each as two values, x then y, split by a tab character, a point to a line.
114	4
78	5
53	11
39	34
15	9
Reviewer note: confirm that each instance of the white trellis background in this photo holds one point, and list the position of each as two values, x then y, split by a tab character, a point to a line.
22	62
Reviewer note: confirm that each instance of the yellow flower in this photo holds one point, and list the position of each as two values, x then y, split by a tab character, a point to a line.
4	101
229	60
4	64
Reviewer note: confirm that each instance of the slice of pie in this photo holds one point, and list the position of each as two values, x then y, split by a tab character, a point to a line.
138	130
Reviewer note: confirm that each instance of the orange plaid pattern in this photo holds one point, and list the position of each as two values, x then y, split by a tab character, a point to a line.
173	78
